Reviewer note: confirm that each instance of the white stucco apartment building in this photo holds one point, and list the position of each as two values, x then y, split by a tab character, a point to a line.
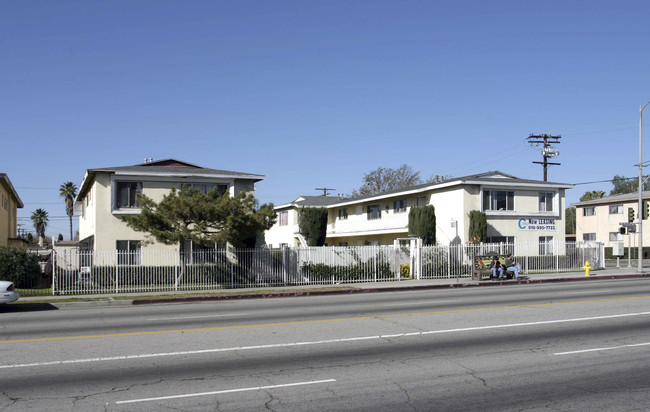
517	210
107	193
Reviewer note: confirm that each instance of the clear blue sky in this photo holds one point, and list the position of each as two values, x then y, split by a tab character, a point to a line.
314	94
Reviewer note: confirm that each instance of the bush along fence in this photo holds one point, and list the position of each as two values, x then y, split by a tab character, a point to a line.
91	272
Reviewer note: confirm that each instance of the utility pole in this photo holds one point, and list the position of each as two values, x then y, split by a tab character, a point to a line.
325	190
548	151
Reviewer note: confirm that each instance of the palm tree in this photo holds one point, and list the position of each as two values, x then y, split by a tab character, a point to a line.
68	191
40	219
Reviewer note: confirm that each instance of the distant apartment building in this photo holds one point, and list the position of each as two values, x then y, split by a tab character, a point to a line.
601	219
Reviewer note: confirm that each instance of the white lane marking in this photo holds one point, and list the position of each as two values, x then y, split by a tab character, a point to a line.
632	345
318	342
426	302
257	388
584	293
198	317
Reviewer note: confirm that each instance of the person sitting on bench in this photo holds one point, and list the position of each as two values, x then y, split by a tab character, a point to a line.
513	266
496	266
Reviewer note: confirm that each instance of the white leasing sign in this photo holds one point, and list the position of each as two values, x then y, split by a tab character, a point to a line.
532	223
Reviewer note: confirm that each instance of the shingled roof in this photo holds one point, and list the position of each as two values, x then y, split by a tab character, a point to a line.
165	168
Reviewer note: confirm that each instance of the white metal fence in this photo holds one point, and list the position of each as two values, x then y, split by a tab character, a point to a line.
91	272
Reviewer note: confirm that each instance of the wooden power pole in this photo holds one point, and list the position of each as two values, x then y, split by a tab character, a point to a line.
547	151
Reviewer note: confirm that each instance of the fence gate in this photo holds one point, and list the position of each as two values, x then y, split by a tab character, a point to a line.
408	253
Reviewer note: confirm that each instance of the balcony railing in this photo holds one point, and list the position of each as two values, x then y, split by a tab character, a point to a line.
361	223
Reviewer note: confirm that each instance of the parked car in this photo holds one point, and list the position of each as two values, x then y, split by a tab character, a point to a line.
7	292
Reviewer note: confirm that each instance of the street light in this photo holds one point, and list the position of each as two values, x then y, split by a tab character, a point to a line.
640	254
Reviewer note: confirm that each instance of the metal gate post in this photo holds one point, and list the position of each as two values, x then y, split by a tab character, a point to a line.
53	272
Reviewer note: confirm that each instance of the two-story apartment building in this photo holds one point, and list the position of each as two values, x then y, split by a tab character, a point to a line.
10	203
516	209
600	219
107	193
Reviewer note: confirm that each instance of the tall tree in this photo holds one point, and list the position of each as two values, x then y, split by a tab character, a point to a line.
570	220
383	179
624	185
477	227
40	220
313	225
594	194
68	191
422	224
189	214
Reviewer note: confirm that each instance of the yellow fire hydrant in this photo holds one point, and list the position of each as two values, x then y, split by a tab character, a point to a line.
587	268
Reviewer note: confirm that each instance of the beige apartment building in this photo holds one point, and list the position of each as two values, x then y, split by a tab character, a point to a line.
601	219
107	193
9	204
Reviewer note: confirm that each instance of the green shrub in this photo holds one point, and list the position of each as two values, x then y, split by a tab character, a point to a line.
19	266
405	270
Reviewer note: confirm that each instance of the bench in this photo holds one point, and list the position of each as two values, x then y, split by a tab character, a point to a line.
481	267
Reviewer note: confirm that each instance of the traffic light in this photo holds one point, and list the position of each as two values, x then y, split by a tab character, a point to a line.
630	215
621	230
646	209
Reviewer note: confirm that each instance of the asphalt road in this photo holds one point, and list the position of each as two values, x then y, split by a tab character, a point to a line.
580	346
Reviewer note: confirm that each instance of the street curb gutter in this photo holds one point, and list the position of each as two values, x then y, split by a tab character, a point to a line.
382	289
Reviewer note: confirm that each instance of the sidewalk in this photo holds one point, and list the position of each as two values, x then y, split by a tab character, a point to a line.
329	289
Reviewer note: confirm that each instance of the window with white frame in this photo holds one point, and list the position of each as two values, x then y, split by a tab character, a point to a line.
498	200
399	205
501	239
206	187
613	236
589	237
126	195
589	211
615	209
374	212
546	245
343	214
128	252
546	202
283	218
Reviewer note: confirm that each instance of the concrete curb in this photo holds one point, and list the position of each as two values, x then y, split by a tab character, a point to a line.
381	289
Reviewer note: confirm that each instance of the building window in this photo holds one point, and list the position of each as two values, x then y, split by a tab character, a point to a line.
498	200
374	212
127	194
501	239
615	209
613	236
283	218
128	252
589	237
421	201
343	214
589	211
399	206
546	245
343	243
206	187
546	202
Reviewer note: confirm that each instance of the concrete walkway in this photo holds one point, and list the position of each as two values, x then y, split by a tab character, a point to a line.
328	289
